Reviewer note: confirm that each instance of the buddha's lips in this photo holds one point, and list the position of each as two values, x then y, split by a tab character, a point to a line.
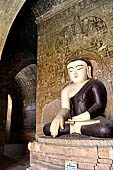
75	76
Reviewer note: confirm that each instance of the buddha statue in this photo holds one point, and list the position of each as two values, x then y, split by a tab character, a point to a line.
83	103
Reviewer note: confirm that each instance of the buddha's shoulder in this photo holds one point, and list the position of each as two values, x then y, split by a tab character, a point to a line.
97	82
68	88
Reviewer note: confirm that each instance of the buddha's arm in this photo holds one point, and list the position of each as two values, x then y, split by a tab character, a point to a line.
62	115
99	97
98	107
82	117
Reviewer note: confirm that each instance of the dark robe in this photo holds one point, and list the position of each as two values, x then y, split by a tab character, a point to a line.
91	97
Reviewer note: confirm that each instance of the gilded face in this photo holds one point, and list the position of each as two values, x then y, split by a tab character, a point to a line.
78	71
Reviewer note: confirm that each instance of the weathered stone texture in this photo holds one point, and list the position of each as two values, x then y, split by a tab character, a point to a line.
45	155
103	167
42	6
106	152
79	142
106	161
86	166
80	152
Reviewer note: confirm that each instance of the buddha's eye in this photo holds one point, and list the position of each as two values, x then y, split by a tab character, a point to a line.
70	71
79	68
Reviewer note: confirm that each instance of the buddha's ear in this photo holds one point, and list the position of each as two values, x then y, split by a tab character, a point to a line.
89	72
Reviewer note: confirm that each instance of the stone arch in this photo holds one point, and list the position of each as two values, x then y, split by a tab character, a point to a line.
9	11
22	87
7	17
25	58
23	94
16	60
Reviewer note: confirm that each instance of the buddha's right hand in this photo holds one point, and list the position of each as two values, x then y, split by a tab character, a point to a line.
58	122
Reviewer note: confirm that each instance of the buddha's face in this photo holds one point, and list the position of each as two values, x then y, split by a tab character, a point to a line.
78	71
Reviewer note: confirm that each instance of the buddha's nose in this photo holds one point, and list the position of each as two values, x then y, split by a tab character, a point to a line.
75	72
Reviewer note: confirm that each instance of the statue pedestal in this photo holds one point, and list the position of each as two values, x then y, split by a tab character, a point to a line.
47	153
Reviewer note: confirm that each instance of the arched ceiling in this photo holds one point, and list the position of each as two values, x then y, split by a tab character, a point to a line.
10	8
26	94
26	80
8	12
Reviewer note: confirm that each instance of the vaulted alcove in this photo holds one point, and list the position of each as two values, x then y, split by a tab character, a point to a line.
18	80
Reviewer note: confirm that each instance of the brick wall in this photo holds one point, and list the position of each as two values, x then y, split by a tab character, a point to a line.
89	154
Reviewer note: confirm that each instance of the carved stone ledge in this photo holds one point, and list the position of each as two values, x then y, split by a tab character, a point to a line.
52	9
76	141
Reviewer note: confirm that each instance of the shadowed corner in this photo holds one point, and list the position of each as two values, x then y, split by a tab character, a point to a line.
15	157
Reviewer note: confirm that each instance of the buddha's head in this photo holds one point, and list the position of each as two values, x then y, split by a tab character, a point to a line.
79	70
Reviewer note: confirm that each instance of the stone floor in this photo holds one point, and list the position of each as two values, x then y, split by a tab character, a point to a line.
16	157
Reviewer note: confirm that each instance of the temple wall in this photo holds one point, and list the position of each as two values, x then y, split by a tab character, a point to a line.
71	30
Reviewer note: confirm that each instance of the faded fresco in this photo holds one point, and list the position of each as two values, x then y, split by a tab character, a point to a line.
78	31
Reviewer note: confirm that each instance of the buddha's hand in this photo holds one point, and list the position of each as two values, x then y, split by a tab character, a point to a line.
58	121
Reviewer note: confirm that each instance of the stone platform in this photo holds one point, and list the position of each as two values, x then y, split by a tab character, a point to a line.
48	153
